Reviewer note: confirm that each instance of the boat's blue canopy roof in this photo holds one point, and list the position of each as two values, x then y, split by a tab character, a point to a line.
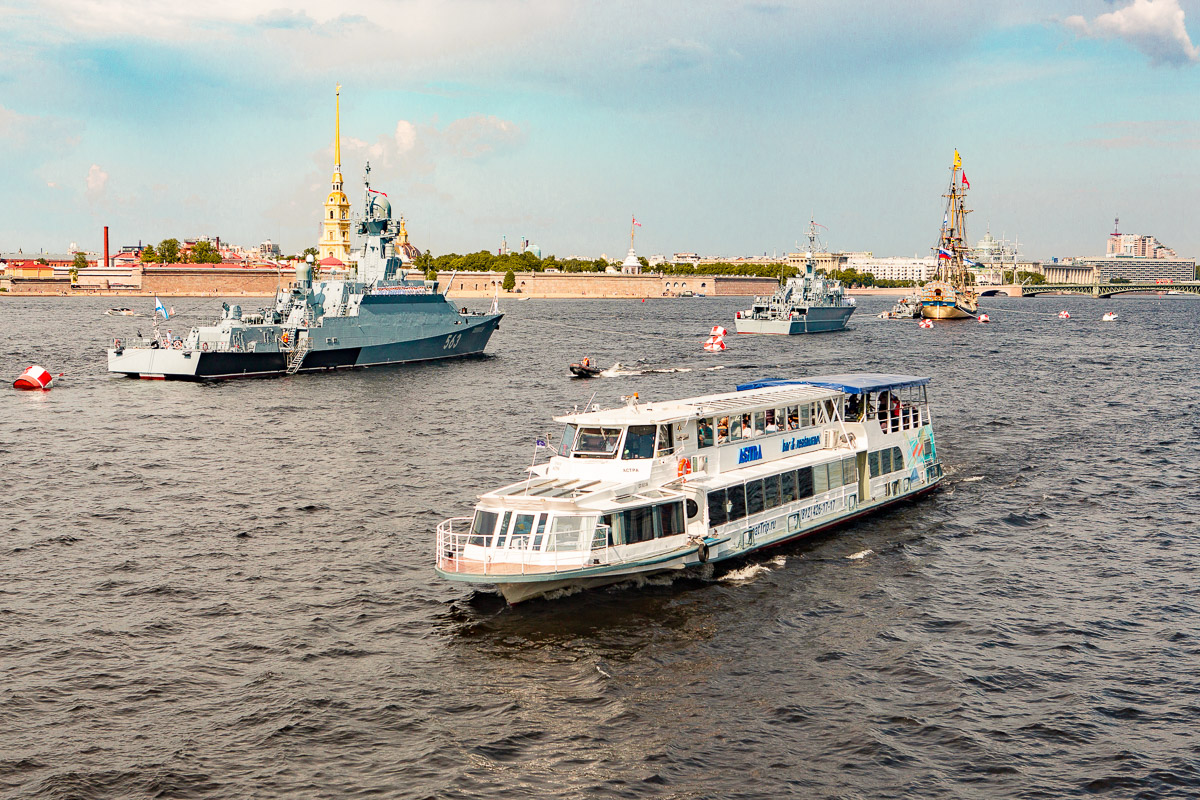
853	383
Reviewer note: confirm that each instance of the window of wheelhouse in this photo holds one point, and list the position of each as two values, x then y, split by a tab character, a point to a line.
639	442
666	441
596	442
568	439
704	432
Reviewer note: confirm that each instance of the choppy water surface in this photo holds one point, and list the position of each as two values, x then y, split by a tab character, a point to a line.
214	591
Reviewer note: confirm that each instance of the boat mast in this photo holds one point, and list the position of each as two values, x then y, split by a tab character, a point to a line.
953	239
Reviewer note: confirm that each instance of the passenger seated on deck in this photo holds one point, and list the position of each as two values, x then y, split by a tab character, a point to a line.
747	426
854	408
704	434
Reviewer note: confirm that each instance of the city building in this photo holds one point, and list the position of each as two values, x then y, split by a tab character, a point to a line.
893	269
335	225
1136	245
269	249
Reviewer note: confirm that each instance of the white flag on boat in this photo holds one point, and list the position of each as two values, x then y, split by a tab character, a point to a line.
159	308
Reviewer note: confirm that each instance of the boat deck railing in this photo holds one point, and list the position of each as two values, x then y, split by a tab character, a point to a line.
461	552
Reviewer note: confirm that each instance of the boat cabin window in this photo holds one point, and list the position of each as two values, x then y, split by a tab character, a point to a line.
883	462
806	415
754	497
482	527
522	532
722	430
735	428
570	533
793	417
568	439
704	432
639	442
503	529
787	487
748	426
760	423
597	442
666	441
644	524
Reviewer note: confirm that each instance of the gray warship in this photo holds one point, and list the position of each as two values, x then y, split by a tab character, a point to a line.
383	313
807	303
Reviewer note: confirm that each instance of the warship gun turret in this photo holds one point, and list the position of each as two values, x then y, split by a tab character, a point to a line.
381	311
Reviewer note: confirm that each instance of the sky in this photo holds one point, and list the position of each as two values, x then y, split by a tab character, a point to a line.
722	126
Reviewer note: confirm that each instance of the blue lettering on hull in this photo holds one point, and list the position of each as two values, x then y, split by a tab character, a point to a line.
748	454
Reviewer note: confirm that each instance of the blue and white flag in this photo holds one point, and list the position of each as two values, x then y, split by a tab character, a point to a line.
540	443
159	308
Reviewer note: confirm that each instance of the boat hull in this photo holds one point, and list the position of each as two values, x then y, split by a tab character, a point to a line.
941	300
817	320
751	539
198	365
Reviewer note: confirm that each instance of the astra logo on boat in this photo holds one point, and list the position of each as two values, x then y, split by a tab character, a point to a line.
797	444
748	454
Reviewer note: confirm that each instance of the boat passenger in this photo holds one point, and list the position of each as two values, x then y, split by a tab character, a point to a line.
747	426
854	408
723	430
704	434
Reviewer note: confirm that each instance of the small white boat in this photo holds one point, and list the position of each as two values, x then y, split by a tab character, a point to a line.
121	312
1109	316
661	487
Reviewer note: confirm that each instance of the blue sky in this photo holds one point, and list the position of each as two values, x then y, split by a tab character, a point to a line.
722	125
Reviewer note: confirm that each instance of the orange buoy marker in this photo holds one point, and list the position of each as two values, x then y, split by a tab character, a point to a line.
34	377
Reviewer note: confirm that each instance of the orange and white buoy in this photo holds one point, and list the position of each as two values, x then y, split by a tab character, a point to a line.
925	323
34	377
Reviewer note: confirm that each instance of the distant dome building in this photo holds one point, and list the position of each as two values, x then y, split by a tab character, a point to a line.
408	251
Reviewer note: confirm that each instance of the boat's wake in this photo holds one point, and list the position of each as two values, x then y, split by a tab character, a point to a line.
619	370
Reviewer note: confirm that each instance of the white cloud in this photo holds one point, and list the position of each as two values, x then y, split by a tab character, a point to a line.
406	136
1154	27
97	180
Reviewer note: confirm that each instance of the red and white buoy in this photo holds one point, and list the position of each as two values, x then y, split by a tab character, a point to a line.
34	377
716	339
1064	314
984	318
925	323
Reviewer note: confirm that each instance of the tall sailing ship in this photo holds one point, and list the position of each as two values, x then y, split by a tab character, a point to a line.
949	295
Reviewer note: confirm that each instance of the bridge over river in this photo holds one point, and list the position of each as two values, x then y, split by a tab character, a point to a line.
1093	289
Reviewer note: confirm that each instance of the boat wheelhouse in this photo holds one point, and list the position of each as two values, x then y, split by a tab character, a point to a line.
655	487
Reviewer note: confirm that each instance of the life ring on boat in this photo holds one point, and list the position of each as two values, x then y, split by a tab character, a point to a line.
702	552
204	346
178	344
685	467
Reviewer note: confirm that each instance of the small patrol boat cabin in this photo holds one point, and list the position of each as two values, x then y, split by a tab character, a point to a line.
655	487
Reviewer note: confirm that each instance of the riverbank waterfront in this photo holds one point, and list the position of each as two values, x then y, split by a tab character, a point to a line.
549	286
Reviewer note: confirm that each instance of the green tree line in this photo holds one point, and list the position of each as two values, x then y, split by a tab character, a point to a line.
168	251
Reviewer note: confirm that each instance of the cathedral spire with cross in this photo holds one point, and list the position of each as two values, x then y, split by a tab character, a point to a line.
335	224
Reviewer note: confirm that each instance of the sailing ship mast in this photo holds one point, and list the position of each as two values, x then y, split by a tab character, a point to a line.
952	246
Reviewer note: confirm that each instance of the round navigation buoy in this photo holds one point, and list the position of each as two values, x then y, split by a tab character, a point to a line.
34	377
984	318
1064	314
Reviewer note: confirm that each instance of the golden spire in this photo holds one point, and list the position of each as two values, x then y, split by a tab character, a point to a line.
337	129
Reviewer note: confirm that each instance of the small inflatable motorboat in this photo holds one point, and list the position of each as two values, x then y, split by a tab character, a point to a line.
121	312
585	369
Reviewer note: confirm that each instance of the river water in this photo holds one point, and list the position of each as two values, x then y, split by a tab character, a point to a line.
216	591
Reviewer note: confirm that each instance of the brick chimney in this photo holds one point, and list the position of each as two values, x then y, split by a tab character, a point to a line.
106	247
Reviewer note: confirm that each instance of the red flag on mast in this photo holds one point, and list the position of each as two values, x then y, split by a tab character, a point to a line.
966	183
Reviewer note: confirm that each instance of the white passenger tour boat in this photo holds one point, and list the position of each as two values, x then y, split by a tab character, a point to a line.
662	486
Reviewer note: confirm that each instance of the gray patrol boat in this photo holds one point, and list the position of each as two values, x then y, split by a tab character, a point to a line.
807	303
378	316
